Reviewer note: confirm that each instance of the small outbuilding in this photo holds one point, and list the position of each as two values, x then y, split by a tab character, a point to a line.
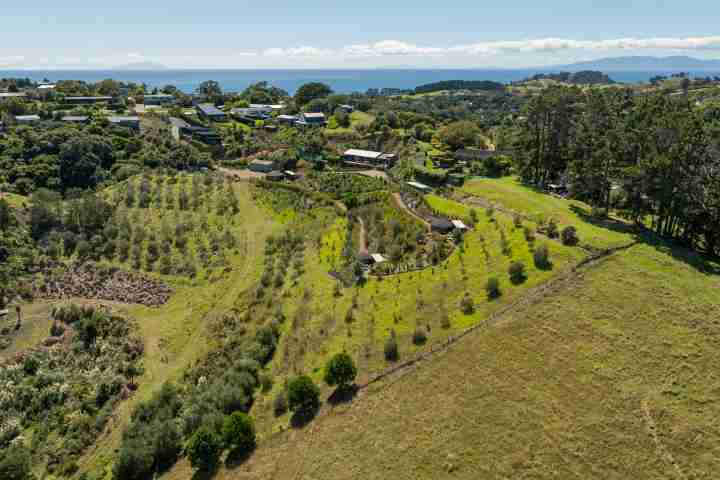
459	225
75	119
262	166
442	225
25	119
420	187
127	122
275	176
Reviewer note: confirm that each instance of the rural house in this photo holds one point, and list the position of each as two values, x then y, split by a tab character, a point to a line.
262	166
312	120
87	100
127	122
179	129
366	158
210	112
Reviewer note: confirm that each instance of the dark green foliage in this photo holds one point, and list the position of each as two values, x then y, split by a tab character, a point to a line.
15	463
239	432
419	336
517	272
492	288
280	403
482	85
204	449
391	351
569	236
467	305
303	394
340	370
541	257
311	91
551	229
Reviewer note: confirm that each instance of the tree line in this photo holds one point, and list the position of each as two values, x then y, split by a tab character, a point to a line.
654	158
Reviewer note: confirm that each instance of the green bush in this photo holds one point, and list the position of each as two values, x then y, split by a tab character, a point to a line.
239	432
541	257
517	272
340	370
467	305
419	336
569	236
303	394
280	404
391	348
204	449
15	463
492	287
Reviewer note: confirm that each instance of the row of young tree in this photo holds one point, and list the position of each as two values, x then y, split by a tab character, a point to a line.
654	158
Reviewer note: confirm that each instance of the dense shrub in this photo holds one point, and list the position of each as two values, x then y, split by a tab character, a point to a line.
517	272
552	229
340	370
391	348
569	236
303	394
541	257
419	336
15	463
492	287
280	403
204	449
467	305
239	432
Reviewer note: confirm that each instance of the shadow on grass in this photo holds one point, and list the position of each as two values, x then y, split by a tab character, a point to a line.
698	261
605	222
237	457
204	474
301	418
343	395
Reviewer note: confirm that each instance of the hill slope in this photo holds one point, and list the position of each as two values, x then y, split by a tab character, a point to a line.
588	383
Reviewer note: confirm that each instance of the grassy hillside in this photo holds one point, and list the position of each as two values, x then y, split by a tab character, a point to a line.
509	193
593	381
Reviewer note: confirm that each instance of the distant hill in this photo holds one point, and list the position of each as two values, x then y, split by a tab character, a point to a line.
644	63
584	77
141	66
485	85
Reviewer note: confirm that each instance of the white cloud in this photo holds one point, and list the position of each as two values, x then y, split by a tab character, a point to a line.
302	51
400	48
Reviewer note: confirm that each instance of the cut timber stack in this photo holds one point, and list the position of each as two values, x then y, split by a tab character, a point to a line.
90	281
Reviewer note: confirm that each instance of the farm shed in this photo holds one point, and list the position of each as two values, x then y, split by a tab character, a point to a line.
442	225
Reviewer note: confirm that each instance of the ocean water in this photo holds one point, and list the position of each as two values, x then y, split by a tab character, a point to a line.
341	81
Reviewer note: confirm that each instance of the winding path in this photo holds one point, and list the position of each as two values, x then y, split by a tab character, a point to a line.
400	203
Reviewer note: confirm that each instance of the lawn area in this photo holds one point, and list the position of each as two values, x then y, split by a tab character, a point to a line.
513	195
448	208
15	200
357	117
591	382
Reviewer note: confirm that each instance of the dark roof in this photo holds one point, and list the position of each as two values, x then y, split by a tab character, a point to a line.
442	224
210	109
365	257
99	99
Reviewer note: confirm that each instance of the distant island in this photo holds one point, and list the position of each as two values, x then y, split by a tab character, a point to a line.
584	77
450	85
141	66
644	63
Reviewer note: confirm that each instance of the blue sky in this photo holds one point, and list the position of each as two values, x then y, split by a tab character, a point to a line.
368	33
